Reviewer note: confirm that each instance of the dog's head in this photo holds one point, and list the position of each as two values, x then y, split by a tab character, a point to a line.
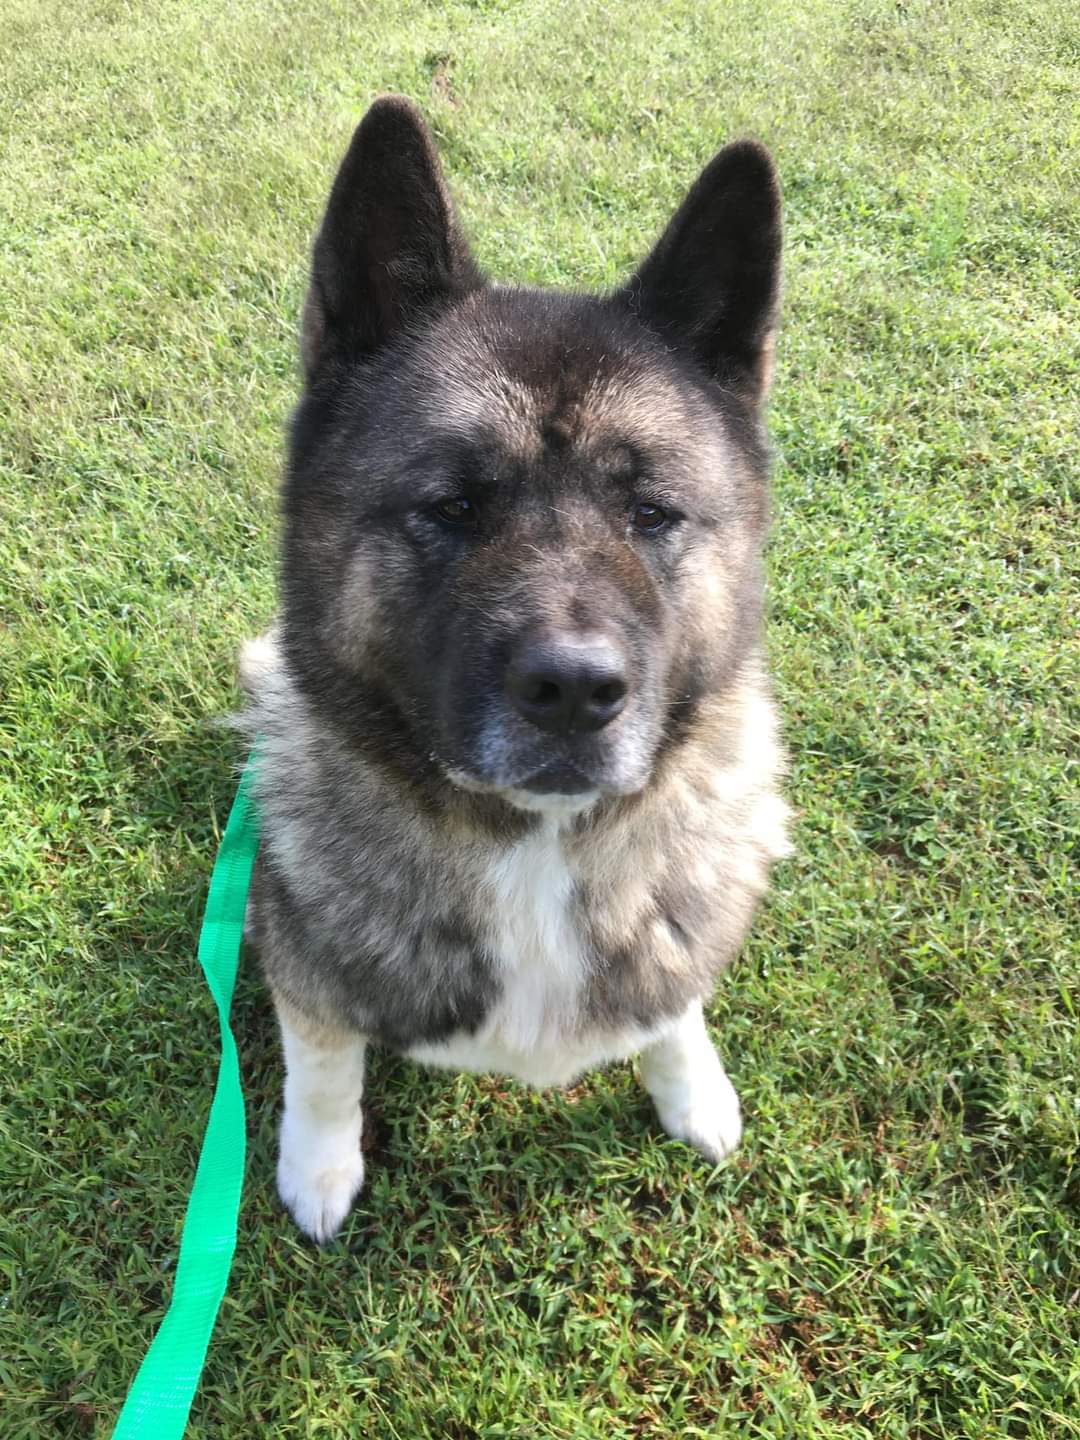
523	528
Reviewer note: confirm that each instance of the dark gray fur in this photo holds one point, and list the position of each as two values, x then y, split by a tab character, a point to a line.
387	746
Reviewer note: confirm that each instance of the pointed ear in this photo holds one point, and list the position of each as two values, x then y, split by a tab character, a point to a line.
712	282
389	248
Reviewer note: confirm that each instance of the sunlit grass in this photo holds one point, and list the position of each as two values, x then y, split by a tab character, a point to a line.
894	1253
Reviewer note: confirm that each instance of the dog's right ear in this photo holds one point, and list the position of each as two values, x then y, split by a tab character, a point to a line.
389	248
711	285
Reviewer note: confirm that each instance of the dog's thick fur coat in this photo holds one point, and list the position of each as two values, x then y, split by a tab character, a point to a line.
517	760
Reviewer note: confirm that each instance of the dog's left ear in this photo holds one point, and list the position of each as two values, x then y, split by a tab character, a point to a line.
389	249
712	282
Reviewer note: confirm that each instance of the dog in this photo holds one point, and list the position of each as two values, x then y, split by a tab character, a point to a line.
517	763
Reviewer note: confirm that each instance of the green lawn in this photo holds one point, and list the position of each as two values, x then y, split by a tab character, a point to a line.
896	1251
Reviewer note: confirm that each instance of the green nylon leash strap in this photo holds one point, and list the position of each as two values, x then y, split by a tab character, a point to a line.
161	1394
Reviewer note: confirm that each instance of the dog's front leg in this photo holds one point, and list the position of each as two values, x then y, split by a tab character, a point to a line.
694	1098
320	1167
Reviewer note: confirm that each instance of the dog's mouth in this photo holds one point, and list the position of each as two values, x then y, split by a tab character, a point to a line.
555	780
558	788
540	772
557	777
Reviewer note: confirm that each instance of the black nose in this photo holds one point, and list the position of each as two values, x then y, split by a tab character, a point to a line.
563	683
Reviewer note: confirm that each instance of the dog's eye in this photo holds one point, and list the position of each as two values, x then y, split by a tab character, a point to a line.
457	511
649	518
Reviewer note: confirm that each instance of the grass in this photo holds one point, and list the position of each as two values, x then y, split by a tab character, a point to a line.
896	1252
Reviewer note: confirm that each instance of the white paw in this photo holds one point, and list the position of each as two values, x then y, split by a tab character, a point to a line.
318	1183
706	1115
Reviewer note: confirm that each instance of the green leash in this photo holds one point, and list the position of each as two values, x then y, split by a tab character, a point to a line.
160	1396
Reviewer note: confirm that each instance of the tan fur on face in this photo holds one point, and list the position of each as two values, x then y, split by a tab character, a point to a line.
473	393
477	391
353	614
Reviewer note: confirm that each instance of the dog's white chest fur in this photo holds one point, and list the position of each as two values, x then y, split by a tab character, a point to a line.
534	1030
536	944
